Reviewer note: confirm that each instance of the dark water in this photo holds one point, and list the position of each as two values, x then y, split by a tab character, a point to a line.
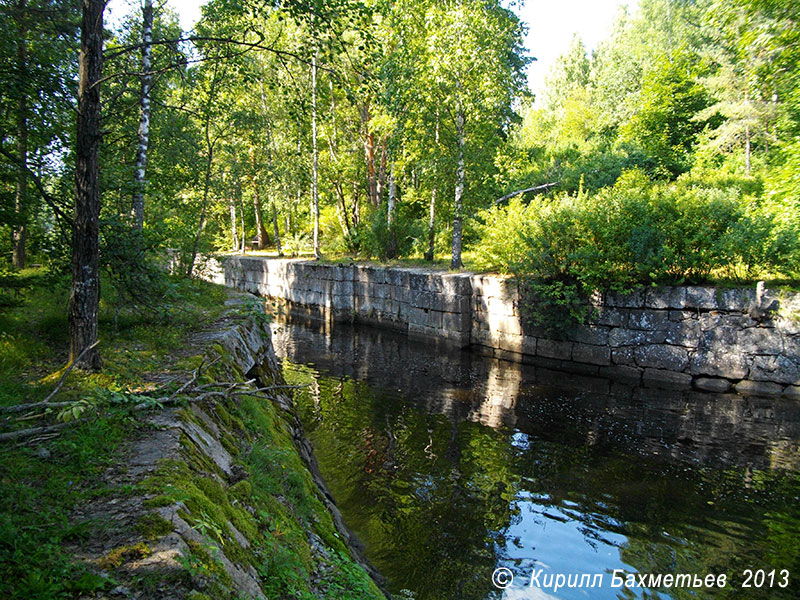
448	465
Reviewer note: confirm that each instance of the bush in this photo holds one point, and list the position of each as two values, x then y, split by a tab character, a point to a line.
386	242
635	233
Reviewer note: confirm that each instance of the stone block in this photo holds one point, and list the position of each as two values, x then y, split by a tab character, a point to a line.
671	358
735	300
620	336
595	355
610	316
633	300
340	302
589	334
712	384
683	315
455	322
456	284
342	288
719	362
759	340
397	277
529	345
664	379
648	320
500	306
748	387
418	280
683	333
665	297
434	320
417	316
778	369
792	391
702	297
554	349
580	367
422	299
623	356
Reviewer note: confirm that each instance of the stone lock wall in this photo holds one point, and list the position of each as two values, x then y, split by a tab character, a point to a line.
709	338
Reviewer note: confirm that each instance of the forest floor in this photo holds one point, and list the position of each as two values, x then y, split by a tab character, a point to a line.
129	500
67	490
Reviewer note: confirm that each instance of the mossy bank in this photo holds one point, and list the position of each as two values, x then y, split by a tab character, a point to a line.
212	497
246	516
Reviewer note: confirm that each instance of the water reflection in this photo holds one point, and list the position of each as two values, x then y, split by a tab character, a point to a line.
448	464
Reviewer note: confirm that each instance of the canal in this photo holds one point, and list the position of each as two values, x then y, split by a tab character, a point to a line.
449	465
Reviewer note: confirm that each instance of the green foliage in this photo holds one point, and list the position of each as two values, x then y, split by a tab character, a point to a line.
386	242
636	233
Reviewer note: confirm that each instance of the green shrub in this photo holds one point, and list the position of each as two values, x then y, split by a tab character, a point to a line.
635	233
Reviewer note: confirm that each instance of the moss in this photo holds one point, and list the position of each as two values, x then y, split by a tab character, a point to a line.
153	526
158	501
274	508
198	458
124	554
195	595
242	490
201	560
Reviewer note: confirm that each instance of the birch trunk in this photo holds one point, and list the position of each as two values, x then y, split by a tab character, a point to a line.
392	198
455	261
137	207
261	230
275	229
314	184
234	226
431	226
84	297
432	210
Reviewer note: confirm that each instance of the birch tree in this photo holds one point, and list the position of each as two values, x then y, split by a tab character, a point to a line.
143	134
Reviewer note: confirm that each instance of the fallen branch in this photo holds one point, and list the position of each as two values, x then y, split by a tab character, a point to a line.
26	433
536	188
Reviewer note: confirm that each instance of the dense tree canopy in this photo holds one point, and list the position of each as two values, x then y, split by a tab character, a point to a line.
399	124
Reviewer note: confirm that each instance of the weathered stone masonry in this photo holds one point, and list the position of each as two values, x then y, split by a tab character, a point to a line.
708	338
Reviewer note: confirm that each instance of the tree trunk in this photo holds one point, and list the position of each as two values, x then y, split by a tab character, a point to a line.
241	208
381	185
369	156
20	233
261	230
391	251
202	222
432	210
314	184
455	261
392	198
431	226
137	206
84	298
275	229
234	225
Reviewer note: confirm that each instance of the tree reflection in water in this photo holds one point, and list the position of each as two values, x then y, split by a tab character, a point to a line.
448	464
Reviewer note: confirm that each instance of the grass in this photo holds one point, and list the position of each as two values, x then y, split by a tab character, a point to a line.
41	483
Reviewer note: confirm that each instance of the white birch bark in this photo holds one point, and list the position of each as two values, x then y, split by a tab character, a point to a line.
137	207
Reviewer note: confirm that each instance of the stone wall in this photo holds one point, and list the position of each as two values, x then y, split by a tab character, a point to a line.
708	338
